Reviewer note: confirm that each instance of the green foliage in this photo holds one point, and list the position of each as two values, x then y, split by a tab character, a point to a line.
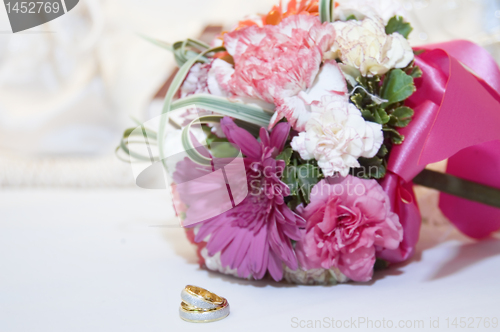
285	155
394	135
371	168
372	84
401	117
394	88
398	86
380	264
307	177
219	147
415	72
381	116
383	151
397	24
418	52
300	176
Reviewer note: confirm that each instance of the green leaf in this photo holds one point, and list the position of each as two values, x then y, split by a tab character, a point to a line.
307	176
371	168
383	151
368	116
219	147
377	118
285	155
382	115
351	17
300	179
418	52
357	100
372	84
396	137
401	116
416	72
223	150
397	87
290	179
214	139
397	24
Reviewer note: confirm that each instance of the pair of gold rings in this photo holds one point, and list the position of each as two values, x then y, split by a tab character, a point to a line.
201	306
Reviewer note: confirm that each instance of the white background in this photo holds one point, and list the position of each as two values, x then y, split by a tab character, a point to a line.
94	261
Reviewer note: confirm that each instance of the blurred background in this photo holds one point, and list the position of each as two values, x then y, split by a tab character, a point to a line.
68	88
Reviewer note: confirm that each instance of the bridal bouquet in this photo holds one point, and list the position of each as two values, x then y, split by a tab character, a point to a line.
291	141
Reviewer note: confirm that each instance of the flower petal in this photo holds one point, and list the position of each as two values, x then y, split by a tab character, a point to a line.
279	136
248	144
238	41
218	78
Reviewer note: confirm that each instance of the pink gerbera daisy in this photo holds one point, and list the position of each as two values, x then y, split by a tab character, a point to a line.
255	236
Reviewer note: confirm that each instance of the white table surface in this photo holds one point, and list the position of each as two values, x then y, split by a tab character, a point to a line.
75	260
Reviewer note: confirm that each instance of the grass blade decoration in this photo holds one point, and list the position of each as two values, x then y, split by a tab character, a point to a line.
326	11
248	113
126	140
180	48
172	90
245	112
182	54
188	145
159	43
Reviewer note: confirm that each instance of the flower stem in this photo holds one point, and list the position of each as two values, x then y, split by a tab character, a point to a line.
459	187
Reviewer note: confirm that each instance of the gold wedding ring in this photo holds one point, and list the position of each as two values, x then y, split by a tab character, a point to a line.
201	298
202	306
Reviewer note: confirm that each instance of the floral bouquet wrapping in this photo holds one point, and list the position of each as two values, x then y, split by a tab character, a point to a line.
292	141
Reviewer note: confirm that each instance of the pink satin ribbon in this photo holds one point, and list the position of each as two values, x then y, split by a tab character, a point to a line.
457	116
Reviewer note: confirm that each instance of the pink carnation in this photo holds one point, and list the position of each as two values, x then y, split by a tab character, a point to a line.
282	65
348	222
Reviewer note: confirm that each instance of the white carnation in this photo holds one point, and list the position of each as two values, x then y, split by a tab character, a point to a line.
336	136
365	46
196	80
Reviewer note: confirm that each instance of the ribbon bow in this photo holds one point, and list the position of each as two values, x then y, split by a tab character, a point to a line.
457	116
